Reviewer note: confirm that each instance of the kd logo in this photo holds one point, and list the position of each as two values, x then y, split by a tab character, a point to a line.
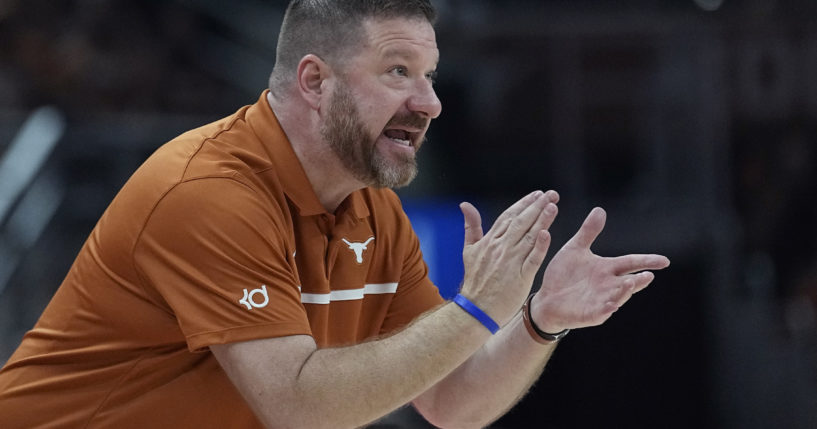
250	298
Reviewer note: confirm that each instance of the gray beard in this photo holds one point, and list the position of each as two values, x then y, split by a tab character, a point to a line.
348	138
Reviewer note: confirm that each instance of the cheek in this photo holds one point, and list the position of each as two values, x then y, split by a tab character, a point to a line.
382	104
376	116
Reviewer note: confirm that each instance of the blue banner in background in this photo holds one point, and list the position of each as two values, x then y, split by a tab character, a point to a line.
439	225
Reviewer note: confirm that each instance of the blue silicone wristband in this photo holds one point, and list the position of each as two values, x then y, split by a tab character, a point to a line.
478	314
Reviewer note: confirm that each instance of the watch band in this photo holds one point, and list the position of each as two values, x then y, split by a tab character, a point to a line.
537	334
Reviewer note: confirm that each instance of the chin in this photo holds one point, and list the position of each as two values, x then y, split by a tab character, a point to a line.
392	176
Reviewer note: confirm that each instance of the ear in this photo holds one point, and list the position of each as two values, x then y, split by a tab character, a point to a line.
312	73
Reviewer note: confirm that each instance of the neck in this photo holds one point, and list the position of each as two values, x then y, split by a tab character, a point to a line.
330	179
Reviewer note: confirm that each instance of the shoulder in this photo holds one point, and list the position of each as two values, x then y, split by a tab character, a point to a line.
215	218
181	158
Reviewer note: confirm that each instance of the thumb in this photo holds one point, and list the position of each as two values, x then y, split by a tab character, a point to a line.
473	223
590	229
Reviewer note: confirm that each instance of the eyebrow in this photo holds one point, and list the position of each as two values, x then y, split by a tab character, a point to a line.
399	52
403	53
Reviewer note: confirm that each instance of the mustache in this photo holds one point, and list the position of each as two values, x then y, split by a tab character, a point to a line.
409	119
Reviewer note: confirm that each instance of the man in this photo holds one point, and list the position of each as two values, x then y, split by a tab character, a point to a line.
259	272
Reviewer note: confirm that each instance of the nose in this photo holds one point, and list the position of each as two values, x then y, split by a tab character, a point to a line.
424	101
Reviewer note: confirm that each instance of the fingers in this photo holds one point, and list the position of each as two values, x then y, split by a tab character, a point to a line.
507	217
538	238
552	196
628	264
642	280
517	207
473	223
546	217
523	224
590	229
537	254
628	286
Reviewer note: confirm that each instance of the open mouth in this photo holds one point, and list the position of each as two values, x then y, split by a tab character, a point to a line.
402	137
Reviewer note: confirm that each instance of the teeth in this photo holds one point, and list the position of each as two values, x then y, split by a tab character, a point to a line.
398	136
404	142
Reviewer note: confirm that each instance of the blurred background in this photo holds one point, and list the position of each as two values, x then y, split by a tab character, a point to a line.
691	121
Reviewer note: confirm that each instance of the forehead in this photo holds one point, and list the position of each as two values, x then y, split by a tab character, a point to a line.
400	37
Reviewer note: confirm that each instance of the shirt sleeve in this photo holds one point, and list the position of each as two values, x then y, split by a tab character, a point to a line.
416	293
214	250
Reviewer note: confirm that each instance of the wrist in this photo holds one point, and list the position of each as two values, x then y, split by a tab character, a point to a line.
536	332
537	306
476	313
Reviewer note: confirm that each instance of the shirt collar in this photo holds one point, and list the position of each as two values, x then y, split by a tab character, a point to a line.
288	168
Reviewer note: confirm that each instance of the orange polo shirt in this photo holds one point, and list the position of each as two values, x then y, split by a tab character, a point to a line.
217	238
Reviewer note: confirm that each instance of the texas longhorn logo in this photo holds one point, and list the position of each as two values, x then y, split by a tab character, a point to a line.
358	248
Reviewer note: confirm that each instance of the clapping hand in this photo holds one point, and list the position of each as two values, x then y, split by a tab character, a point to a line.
580	288
501	264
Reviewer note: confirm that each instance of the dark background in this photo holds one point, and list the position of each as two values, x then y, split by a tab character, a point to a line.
691	122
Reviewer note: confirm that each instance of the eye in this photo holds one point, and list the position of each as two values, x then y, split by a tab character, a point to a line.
432	77
399	70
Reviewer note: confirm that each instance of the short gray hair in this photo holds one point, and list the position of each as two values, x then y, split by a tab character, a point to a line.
332	29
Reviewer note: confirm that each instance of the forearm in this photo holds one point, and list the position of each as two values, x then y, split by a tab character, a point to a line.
490	382
290	383
355	385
